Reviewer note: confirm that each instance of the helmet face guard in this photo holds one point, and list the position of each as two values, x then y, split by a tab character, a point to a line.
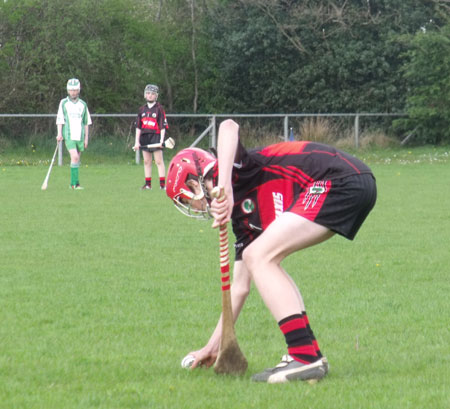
191	163
201	209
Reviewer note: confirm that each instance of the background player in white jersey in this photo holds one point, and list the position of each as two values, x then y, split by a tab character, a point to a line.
73	120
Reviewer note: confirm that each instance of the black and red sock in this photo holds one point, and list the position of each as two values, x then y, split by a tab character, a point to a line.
298	339
148	182
162	182
311	334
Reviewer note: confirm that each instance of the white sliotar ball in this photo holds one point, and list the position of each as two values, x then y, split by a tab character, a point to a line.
187	361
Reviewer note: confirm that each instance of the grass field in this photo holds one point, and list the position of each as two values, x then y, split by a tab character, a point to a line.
103	291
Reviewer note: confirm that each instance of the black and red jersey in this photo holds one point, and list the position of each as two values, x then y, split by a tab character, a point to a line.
151	120
268	181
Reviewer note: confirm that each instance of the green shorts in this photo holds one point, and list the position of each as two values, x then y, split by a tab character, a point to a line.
78	145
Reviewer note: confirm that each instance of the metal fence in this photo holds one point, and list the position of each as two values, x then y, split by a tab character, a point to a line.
212	120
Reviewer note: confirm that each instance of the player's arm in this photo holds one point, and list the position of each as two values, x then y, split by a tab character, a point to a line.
59	122
137	137
59	136
239	291
227	145
162	125
87	121
86	135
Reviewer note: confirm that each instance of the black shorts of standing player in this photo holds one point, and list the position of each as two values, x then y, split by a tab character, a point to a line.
342	205
149	139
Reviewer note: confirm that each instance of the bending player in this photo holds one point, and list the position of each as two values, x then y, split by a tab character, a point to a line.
281	199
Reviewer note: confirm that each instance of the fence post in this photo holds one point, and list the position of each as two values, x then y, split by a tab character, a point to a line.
212	123
286	128
356	131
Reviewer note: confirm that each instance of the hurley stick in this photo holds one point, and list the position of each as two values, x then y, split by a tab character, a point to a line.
45	183
169	144
230	359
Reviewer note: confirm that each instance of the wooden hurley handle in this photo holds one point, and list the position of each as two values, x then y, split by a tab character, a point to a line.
230	359
219	194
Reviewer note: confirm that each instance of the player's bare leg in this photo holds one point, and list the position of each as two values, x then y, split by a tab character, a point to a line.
159	160
288	234
296	290
148	159
74	156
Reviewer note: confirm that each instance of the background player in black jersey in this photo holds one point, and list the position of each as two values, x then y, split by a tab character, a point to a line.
151	125
281	199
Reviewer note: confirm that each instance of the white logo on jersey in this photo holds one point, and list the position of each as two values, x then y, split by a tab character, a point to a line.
277	203
148	122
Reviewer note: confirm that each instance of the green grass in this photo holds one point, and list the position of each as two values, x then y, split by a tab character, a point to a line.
103	291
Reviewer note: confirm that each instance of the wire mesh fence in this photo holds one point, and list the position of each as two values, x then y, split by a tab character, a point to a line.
115	133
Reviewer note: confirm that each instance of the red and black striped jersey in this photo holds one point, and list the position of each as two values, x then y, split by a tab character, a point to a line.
268	181
151	120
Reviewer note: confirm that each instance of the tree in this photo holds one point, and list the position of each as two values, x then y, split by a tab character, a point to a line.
428	76
314	56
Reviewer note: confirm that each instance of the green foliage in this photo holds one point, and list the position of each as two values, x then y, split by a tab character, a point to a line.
233	56
428	76
114	47
314	56
96	42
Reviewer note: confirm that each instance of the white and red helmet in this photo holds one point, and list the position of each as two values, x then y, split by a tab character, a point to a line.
190	163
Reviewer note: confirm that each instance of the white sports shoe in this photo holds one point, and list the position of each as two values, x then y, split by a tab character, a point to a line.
291	370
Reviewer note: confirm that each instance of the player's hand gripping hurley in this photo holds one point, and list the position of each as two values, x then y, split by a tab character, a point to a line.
230	359
169	143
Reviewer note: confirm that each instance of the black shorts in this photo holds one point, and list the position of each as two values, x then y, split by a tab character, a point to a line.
341	205
149	139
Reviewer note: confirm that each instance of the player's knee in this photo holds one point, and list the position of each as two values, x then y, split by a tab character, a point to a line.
257	260
242	291
252	259
74	158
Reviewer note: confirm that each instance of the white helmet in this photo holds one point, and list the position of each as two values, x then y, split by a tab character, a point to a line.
73	84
